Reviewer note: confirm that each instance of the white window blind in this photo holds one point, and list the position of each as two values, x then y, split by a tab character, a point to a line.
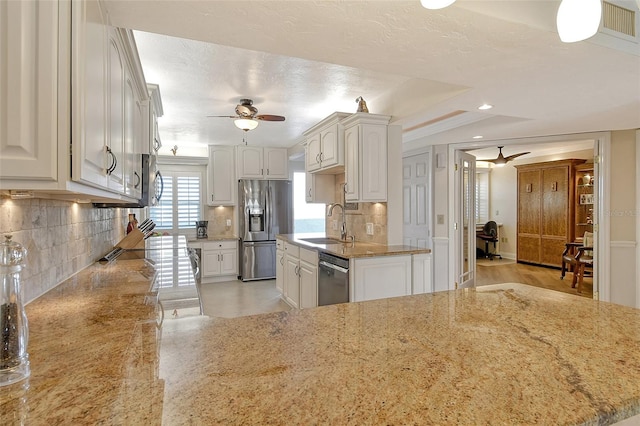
180	205
188	196
482	196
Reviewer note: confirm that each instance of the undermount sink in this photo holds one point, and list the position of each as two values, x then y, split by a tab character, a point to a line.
321	240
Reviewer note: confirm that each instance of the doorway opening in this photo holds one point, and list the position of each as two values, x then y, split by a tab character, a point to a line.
502	205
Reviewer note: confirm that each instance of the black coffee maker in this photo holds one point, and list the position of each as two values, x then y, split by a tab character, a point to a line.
201	228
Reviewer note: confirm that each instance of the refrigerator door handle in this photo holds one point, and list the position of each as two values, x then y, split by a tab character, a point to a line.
269	210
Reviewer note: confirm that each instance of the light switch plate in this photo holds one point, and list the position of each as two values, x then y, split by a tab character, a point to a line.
369	228
228	222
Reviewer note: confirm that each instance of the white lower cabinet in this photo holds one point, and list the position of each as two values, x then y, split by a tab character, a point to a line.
421	273
300	273
308	274
373	278
280	270
219	258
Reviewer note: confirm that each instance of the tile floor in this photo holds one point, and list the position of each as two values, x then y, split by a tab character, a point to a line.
236	298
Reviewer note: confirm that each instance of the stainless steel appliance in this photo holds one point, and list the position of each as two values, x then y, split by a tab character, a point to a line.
265	209
333	279
152	186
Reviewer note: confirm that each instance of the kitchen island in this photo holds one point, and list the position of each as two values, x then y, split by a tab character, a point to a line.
500	354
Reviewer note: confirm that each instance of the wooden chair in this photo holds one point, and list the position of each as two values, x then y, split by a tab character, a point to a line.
569	258
584	261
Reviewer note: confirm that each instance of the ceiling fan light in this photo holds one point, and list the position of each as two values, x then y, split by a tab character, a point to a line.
578	20
245	124
436	4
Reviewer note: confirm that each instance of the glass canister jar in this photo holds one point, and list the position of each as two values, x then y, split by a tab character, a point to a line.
14	329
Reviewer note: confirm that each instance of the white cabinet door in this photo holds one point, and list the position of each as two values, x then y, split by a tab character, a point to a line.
116	89
373	163
210	263
312	154
292	280
276	163
280	271
132	139
229	262
249	162
29	90
89	102
381	277
366	163
308	285
221	186
351	163
330	154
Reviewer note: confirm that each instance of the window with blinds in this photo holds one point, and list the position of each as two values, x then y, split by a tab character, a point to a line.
482	196
180	205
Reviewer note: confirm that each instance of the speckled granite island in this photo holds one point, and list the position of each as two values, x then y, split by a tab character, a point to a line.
502	354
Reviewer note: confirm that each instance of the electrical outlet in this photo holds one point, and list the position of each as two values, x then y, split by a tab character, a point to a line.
440	219
497	212
334	225
369	228
228	222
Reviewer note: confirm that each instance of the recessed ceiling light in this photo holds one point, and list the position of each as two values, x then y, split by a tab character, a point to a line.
485	106
478	137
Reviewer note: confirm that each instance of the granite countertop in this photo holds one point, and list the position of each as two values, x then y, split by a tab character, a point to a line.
352	250
501	354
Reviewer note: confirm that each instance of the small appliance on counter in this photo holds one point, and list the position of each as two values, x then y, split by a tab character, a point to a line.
201	228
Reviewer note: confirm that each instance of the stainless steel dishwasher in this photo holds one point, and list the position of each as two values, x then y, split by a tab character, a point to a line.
333	279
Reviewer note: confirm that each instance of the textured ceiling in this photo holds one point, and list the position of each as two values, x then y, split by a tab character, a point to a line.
306	59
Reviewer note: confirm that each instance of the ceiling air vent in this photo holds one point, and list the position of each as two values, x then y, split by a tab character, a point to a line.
619	19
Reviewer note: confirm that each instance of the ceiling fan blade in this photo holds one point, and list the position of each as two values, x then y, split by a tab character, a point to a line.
223	116
511	157
268	117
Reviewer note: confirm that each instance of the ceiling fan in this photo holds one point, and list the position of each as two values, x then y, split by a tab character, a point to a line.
247	117
501	160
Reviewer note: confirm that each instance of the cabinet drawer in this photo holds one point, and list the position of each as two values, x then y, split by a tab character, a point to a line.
279	244
310	256
216	245
292	249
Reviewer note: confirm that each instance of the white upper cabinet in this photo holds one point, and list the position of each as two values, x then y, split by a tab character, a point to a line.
89	101
366	157
221	182
29	90
262	163
155	111
325	145
77	116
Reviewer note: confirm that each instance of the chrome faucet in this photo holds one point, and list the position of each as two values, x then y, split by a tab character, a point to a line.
343	227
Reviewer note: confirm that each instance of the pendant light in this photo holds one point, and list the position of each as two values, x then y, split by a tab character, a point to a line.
578	20
436	4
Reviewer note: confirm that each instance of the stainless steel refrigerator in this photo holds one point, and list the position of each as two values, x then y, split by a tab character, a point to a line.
266	209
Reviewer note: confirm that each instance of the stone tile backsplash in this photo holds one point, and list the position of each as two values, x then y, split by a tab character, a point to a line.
375	213
61	237
217	217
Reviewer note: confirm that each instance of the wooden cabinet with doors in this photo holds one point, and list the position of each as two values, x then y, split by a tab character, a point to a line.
546	210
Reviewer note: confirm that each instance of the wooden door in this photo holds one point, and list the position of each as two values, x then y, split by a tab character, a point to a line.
529	196
554	214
